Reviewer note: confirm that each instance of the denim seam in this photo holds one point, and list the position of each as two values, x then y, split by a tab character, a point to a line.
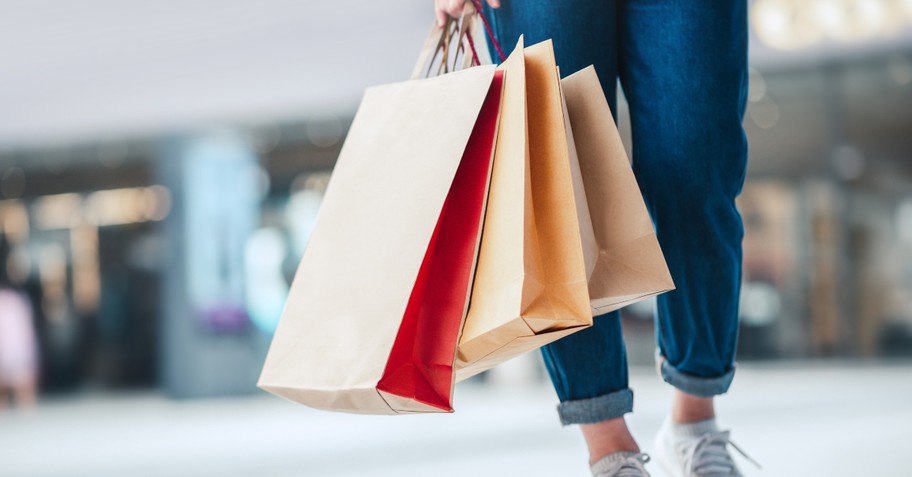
597	409
696	385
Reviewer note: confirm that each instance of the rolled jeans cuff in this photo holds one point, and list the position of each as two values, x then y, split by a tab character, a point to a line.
695	385
597	409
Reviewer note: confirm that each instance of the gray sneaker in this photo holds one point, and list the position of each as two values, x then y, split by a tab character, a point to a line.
621	464
703	456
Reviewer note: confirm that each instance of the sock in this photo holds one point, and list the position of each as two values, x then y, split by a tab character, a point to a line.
692	430
609	461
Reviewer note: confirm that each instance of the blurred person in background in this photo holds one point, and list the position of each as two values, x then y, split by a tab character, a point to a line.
18	349
683	67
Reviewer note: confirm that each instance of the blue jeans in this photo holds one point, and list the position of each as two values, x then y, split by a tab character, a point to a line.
683	67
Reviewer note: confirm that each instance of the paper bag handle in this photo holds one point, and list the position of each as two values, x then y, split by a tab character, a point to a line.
433	44
441	37
439	40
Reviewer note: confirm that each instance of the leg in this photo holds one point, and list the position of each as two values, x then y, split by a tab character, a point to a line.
683	66
589	372
607	437
584	33
589	368
686	408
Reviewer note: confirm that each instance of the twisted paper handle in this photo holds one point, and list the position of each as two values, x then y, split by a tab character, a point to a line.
441	38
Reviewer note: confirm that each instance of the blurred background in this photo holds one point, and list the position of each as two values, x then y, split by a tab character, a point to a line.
162	164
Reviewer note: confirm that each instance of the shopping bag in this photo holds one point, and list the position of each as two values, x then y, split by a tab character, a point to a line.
530	282
583	214
624	262
374	312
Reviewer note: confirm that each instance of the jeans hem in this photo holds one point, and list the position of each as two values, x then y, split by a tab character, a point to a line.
695	385
597	409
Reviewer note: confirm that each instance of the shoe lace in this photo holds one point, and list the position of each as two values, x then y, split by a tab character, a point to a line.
709	455
629	467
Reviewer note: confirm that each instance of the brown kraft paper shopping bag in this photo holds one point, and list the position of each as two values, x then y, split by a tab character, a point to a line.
583	215
373	315
628	265
530	282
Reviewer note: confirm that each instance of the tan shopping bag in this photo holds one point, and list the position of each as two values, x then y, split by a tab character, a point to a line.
623	259
530	283
374	312
583	215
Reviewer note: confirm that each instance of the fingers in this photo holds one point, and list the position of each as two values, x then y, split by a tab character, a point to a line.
454	7
440	10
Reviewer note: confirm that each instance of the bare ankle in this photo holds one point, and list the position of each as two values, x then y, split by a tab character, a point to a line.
689	408
608	437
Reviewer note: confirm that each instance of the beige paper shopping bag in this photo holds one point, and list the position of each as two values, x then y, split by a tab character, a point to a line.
373	315
530	283
628	265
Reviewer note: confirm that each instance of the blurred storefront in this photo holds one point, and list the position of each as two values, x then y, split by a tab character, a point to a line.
155	263
81	238
828	269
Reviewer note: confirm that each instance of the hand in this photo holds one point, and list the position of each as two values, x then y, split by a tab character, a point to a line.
453	8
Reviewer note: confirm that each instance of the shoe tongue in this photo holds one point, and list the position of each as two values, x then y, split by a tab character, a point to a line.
713	459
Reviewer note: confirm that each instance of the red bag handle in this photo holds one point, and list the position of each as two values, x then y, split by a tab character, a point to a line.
488	31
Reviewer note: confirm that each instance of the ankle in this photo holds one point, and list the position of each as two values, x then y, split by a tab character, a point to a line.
608	437
687	408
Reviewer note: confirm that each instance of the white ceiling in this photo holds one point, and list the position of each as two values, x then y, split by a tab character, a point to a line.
95	69
72	70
